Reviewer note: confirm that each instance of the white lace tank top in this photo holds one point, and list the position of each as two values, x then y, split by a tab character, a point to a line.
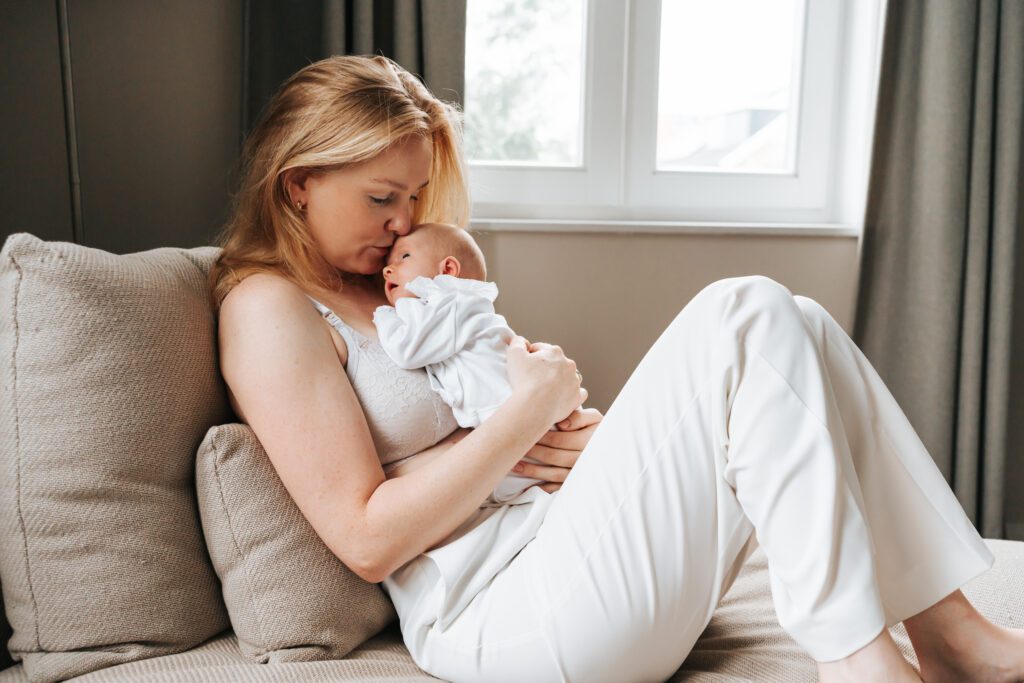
404	414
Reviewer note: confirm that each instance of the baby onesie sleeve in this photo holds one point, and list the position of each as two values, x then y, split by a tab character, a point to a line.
448	315
418	332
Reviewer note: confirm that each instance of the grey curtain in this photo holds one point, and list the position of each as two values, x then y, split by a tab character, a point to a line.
427	37
941	300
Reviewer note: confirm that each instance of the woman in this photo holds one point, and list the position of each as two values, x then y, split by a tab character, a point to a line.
752	411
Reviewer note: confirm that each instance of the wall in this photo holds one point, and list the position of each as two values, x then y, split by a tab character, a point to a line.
605	298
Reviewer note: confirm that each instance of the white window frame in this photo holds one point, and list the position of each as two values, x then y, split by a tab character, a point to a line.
616	188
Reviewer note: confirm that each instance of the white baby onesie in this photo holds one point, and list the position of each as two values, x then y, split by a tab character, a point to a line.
453	332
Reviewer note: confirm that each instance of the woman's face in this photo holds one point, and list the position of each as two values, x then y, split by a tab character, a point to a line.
355	213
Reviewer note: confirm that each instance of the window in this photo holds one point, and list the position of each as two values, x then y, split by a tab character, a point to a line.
740	115
525	64
679	111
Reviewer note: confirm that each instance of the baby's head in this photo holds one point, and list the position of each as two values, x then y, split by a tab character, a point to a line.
431	249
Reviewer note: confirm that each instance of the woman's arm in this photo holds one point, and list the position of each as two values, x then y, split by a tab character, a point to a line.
556	453
418	510
417	460
283	370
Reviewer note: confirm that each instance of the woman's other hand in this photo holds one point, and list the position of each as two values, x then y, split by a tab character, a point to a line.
559	451
543	374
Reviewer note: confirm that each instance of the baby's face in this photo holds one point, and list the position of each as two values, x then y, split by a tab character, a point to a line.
411	256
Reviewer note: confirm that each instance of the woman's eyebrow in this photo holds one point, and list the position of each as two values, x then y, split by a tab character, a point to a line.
395	184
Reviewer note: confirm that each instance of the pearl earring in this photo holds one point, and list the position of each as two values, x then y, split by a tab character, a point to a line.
300	206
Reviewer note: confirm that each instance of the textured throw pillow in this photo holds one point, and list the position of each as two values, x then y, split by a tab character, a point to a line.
289	598
109	381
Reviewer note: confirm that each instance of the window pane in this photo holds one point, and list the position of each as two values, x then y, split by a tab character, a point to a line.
727	86
524	79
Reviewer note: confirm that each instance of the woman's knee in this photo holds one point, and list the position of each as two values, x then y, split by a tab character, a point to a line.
817	316
744	294
738	304
747	287
760	310
757	292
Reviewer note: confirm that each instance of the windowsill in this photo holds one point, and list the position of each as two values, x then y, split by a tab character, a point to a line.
637	227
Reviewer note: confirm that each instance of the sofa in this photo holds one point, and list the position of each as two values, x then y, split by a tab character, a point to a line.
144	535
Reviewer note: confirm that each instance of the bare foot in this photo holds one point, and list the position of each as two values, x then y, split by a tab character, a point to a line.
993	654
955	643
880	660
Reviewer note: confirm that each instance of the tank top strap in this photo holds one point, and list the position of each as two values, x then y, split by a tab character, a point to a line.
351	336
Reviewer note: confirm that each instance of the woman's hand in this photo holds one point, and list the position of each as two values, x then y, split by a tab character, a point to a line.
542	373
559	451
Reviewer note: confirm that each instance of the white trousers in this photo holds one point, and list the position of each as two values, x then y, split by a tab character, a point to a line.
753	419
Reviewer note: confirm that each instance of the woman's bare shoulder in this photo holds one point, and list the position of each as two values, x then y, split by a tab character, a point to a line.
267	292
267	319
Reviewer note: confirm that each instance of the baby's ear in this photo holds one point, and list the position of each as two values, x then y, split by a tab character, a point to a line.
450	266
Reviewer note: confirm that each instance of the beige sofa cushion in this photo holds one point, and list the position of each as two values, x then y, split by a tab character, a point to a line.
289	598
109	381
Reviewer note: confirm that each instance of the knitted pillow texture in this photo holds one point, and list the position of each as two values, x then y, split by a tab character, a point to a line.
289	597
109	381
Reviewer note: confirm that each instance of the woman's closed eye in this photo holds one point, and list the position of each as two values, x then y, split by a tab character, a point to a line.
384	201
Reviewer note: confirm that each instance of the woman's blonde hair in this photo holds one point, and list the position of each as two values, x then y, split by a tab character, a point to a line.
340	110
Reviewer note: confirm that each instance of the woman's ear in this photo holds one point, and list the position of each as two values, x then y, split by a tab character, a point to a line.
295	184
450	266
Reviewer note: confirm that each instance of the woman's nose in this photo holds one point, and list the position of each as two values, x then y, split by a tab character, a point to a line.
401	222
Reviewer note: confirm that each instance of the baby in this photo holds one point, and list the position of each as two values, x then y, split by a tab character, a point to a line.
442	318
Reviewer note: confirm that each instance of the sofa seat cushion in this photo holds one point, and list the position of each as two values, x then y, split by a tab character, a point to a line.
220	660
743	642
